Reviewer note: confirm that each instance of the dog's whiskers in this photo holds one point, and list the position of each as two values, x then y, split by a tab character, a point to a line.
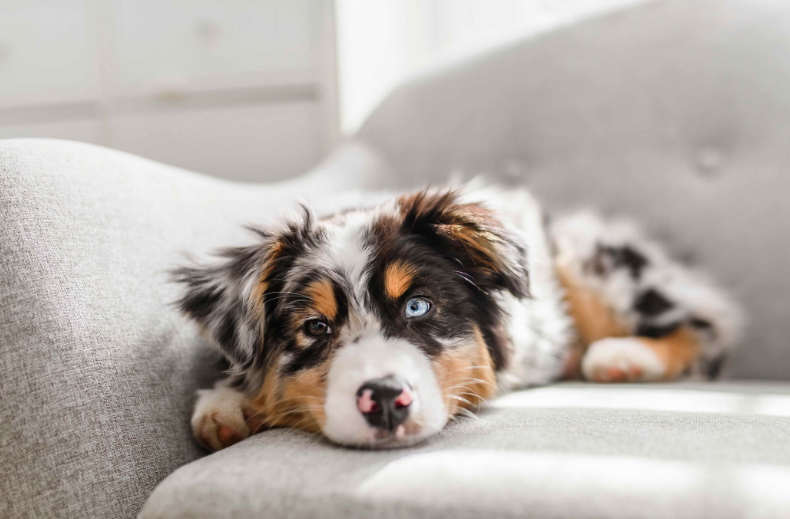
468	368
476	380
468	413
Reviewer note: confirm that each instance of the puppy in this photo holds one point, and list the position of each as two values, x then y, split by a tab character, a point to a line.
376	326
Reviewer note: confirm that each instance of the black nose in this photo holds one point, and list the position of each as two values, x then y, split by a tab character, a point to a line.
384	402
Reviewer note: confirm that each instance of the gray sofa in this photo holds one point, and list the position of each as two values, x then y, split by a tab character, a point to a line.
676	111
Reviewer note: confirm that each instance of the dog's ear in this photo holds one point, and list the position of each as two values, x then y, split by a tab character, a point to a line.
227	297
470	234
221	298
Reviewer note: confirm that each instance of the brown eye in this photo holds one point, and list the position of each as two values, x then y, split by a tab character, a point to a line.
317	327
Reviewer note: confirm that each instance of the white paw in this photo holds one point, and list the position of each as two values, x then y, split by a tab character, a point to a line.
624	359
219	419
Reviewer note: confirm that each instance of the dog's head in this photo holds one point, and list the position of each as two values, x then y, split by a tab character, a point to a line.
373	327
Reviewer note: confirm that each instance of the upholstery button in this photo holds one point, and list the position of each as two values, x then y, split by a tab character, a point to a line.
709	160
207	30
513	168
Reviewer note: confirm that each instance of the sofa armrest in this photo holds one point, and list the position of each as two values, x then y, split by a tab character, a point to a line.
97	370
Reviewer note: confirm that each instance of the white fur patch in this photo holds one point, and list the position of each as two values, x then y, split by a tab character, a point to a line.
217	407
372	358
623	353
538	326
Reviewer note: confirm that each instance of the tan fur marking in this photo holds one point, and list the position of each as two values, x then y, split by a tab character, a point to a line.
470	224
294	401
256	297
594	319
466	375
322	294
677	351
398	278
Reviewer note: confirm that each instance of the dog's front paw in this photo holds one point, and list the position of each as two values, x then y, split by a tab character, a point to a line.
221	418
623	359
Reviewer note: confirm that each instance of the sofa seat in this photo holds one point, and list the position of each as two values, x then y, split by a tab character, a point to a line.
685	450
676	112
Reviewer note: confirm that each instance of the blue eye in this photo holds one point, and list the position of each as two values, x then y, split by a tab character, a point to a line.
417	307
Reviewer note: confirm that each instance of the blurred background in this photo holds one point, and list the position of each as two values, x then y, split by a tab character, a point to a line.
241	89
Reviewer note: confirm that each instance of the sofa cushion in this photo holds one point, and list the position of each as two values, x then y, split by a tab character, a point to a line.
675	112
568	451
97	370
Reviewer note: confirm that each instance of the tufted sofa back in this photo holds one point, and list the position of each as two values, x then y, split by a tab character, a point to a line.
676	112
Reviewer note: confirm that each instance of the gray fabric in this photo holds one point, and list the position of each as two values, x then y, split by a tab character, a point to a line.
570	451
97	372
676	112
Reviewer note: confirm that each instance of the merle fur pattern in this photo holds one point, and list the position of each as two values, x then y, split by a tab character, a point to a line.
462	277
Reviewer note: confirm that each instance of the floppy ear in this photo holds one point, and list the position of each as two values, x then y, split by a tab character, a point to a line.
470	234
225	299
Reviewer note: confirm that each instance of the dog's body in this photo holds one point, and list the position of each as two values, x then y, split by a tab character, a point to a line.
375	326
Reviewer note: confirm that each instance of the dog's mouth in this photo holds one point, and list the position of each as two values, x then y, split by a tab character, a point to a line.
409	433
404	435
398	434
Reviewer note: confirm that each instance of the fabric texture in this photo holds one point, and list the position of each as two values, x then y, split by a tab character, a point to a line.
674	112
571	451
97	371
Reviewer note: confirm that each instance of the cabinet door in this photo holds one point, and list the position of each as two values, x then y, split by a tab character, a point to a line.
88	130
260	143
47	52
204	44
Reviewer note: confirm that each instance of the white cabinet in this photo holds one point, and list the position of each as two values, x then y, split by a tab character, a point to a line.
242	89
47	52
215	43
242	143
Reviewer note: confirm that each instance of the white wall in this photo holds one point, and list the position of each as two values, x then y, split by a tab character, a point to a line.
381	43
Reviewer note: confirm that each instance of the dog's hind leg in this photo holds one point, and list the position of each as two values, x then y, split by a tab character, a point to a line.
641	359
639	315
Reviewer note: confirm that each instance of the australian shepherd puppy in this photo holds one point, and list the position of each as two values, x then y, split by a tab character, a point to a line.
375	326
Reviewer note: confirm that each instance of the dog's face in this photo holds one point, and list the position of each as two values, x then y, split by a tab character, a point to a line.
372	327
